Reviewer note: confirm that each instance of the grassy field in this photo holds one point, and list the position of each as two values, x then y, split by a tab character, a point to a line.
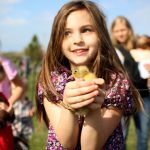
39	137
131	140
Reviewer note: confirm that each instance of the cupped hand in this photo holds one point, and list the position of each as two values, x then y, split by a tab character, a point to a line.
80	93
99	99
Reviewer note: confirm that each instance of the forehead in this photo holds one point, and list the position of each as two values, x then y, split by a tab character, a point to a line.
79	17
119	25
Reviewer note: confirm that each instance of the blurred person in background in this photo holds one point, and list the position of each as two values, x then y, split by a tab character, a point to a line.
143	42
24	110
124	40
9	75
142	55
23	126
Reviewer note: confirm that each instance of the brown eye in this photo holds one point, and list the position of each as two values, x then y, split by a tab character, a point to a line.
67	33
86	29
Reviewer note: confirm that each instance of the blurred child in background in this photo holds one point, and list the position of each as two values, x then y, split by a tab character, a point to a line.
9	76
24	110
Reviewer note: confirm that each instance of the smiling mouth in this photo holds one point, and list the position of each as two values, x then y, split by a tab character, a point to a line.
80	52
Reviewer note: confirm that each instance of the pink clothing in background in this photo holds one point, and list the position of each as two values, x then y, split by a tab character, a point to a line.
11	72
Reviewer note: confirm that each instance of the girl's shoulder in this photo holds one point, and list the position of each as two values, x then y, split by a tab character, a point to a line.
59	77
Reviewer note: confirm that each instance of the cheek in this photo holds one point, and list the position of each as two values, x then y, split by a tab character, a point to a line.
116	35
64	46
125	36
93	41
95	47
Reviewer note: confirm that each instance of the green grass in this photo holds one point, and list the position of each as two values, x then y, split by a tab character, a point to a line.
131	140
39	137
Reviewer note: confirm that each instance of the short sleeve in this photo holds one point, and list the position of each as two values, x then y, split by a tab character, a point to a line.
119	95
59	79
10	69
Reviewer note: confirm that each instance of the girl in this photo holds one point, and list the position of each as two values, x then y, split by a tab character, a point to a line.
9	75
80	37
123	39
122	33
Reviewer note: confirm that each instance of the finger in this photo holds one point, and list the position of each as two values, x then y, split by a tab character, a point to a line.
81	104
99	81
79	84
82	91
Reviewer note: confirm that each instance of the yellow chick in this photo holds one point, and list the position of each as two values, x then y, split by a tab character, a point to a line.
82	72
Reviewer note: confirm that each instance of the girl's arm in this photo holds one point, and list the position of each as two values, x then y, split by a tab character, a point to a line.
98	126
17	91
65	123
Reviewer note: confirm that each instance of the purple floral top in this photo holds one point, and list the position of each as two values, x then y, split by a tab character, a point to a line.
118	95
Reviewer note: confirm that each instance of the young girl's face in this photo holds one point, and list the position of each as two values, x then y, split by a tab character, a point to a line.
121	32
80	43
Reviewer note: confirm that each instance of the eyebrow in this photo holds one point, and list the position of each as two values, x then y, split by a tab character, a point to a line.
84	26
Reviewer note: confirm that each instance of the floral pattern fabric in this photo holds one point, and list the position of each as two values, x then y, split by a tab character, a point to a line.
118	95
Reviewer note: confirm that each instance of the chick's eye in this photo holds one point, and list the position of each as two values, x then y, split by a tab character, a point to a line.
75	71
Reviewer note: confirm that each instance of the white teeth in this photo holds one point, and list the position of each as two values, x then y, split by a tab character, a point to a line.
80	51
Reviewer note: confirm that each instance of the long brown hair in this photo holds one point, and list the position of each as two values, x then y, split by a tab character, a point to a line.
105	61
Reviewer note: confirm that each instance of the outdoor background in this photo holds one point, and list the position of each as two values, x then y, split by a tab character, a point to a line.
21	19
25	28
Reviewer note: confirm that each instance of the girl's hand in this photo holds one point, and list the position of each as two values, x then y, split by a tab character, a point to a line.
80	93
99	99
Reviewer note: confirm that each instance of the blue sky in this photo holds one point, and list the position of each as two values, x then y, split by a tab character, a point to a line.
21	19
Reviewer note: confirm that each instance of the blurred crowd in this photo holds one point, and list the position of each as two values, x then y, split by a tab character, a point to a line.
16	109
133	51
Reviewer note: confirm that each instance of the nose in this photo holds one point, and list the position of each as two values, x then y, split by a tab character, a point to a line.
77	38
120	33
